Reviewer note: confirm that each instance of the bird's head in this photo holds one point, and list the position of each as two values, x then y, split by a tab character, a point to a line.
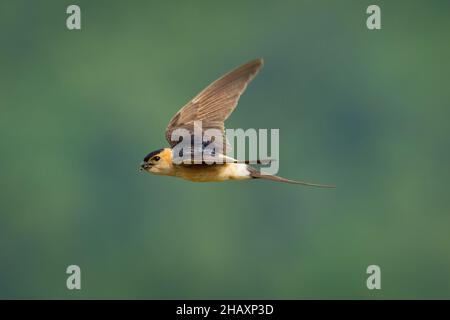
158	162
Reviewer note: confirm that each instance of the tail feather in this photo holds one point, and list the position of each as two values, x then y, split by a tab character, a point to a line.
258	161
257	175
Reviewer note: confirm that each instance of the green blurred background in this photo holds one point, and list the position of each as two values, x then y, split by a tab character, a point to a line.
366	110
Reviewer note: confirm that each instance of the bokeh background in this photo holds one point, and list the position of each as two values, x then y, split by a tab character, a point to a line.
366	110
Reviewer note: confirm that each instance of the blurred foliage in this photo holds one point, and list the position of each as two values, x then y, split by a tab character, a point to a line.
366	110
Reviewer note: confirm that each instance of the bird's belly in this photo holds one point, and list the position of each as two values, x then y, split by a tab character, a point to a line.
209	173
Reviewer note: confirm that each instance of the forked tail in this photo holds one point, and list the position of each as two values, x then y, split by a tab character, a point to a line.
257	175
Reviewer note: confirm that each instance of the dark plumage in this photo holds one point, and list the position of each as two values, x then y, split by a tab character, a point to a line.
151	154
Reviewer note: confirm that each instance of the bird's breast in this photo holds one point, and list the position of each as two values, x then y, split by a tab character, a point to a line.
208	173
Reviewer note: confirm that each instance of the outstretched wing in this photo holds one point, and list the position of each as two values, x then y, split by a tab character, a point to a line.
215	103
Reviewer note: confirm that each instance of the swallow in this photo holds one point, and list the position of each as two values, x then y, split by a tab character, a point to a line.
212	107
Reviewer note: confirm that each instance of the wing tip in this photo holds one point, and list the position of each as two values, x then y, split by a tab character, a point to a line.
258	61
255	63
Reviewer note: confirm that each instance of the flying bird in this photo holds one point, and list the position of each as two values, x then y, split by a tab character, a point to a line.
212	107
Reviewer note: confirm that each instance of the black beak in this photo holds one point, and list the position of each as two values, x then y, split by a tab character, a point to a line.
144	165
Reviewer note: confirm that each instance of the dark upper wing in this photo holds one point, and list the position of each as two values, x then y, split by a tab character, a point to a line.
216	102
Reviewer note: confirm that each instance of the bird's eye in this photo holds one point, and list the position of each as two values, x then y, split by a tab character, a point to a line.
156	158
